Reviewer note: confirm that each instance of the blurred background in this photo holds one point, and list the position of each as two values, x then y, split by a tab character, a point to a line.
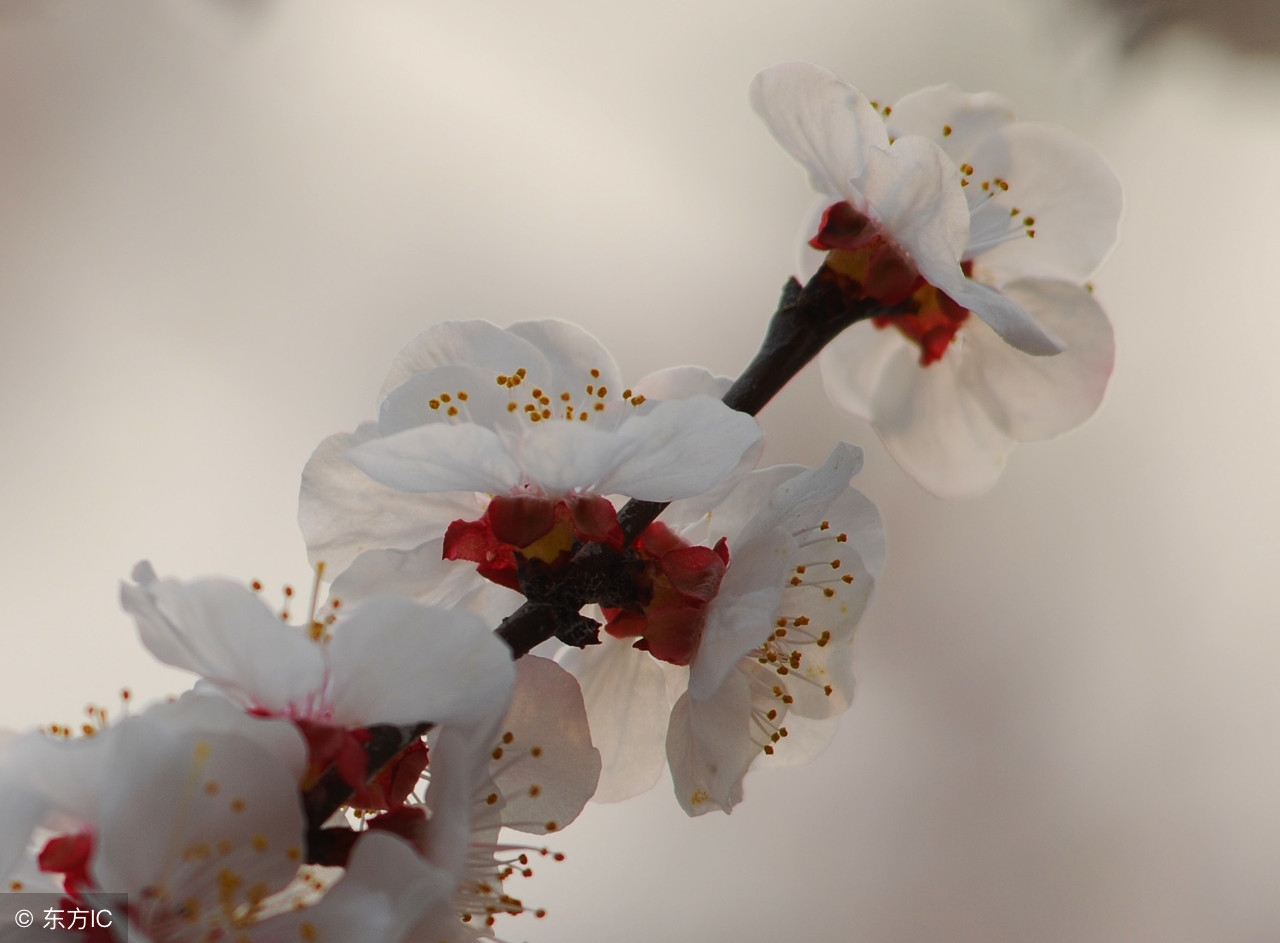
219	219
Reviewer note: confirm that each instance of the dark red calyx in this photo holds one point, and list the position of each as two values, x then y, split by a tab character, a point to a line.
856	248
932	322
517	529
394	783
69	856
338	747
685	579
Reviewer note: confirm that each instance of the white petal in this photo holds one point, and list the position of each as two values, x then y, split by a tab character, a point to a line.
1069	190
1041	397
935	429
439	457
685	447
548	768
459	765
741	615
194	712
1005	316
681	383
223	632
625	694
24	810
562	457
798	502
396	662
573	354
172	802
709	748
387	889
475	343
931	111
424	576
824	123
343	512
854	364
409	404
914	190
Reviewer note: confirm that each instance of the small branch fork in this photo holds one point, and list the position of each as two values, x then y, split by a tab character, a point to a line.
807	319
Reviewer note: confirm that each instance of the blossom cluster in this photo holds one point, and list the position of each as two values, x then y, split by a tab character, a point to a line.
351	777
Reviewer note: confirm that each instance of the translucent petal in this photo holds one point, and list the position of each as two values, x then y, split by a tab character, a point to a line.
343	512
573	355
956	121
475	343
393	661
913	189
547	768
824	123
439	457
709	748
935	430
683	447
1040	397
625	694
1071	196
225	633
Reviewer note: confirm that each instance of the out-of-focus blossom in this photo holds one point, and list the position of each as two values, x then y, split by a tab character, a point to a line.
945	206
193	810
493	441
536	773
388	661
747	643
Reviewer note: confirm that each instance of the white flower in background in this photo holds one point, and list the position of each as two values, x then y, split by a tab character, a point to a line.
387	661
512	436
746	648
950	207
193	810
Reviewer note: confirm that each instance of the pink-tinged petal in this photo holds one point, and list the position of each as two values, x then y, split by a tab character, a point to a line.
439	457
914	191
423	575
343	512
824	123
681	383
226	634
957	121
386	890
478	344
684	447
709	747
625	694
574	355
1059	188
935	429
1034	398
544	765
178	807
741	615
213	714
394	661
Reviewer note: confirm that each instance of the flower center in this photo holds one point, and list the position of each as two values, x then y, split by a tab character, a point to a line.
932	321
517	530
684	578
858	250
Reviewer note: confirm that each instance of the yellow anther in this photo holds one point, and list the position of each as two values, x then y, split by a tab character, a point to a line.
535	751
508	737
433	403
828	592
946	130
497	753
446	398
462	395
535	790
